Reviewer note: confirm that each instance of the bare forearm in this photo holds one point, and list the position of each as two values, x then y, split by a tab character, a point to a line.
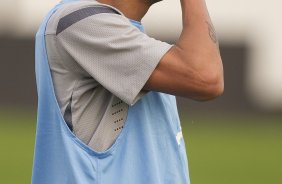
192	68
198	45
196	21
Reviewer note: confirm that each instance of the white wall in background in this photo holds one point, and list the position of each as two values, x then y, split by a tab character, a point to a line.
257	23
30	14
8	15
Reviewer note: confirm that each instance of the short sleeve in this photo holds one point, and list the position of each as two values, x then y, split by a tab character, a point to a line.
114	52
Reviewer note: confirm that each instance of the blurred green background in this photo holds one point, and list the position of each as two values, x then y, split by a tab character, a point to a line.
223	149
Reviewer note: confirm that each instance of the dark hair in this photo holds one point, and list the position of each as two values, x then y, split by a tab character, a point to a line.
152	1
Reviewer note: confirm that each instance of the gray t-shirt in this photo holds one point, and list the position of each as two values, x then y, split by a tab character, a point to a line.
99	63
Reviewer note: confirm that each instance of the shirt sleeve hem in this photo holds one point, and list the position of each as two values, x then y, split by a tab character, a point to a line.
146	69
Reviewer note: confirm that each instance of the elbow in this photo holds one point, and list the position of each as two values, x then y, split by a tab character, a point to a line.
220	90
204	77
212	89
210	92
212	86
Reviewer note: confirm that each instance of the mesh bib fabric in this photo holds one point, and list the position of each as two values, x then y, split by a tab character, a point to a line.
149	149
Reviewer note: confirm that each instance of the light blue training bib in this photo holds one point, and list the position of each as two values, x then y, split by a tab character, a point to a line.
149	150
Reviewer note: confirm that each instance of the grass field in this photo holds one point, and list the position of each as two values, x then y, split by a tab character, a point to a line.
225	150
235	150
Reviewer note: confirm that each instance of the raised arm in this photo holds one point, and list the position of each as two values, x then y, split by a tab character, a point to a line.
192	67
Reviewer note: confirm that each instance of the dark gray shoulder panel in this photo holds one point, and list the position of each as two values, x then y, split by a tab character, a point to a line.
78	15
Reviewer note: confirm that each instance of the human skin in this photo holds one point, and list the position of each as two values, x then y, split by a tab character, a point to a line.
192	68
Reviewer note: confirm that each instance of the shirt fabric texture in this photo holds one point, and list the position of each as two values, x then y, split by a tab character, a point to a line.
149	149
99	63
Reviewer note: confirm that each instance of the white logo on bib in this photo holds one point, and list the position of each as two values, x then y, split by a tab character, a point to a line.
179	136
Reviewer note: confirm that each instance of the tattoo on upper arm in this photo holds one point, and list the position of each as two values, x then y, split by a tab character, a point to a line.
212	32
